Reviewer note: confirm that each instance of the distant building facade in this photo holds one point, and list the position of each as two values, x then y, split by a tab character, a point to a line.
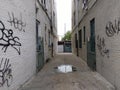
95	36
28	37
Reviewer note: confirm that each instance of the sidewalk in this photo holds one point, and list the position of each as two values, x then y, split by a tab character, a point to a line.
82	79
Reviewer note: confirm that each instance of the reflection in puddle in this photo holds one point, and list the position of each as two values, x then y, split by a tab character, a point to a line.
65	68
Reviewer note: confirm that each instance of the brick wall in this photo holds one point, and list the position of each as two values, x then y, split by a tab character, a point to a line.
107	19
17	42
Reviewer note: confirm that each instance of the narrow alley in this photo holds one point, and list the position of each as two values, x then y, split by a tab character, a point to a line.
80	79
59	44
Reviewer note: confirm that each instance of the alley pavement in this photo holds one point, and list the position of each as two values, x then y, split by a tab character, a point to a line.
82	79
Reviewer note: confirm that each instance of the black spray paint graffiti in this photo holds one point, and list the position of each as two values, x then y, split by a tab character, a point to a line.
17	23
102	46
7	39
112	29
5	73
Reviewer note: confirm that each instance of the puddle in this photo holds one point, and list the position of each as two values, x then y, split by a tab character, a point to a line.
65	68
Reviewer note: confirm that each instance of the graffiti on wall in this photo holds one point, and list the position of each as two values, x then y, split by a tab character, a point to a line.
102	46
17	23
6	77
8	40
113	28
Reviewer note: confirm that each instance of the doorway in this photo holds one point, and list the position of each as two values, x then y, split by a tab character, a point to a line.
76	44
91	50
39	48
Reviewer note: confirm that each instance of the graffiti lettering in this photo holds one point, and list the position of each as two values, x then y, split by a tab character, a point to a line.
112	29
7	39
17	23
5	73
102	46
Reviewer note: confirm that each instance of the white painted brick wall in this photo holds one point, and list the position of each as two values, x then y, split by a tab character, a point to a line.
103	12
44	21
23	66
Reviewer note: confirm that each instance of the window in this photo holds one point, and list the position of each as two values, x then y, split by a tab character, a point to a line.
74	18
53	18
43	3
49	38
45	33
80	39
92	35
76	42
85	4
84	32
38	47
74	3
37	30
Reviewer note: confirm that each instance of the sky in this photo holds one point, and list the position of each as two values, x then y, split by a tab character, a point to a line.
63	16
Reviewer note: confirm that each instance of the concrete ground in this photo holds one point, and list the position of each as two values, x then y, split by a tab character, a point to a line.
83	79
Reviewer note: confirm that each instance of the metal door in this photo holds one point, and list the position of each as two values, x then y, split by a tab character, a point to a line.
67	47
76	44
39	49
91	51
40	54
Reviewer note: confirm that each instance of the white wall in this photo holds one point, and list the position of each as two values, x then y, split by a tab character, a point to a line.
109	66
45	18
108	63
23	65
44	22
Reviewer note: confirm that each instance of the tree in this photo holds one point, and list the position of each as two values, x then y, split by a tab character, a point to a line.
67	36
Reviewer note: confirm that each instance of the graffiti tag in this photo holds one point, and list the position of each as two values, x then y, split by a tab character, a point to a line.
17	23
5	73
102	46
7	39
112	29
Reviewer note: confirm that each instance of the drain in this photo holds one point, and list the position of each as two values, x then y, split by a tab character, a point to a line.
65	68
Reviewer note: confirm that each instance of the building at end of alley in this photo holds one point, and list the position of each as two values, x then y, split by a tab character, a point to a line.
95	36
28	38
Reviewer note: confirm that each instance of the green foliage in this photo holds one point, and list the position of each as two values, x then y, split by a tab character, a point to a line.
67	36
